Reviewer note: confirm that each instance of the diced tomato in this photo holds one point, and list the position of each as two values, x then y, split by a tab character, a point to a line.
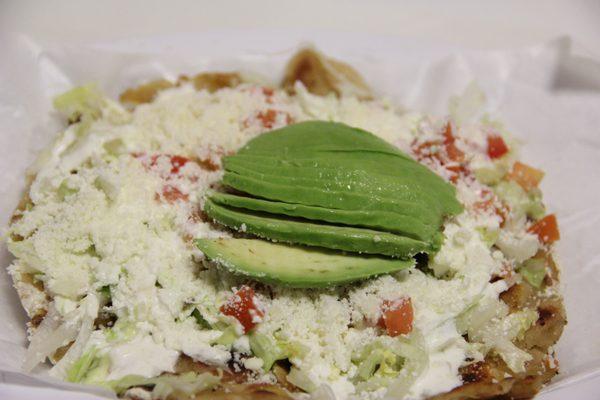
171	194
242	306
496	147
546	229
526	176
396	316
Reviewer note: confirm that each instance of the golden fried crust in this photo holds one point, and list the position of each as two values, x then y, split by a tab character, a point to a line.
27	287
322	75
234	385
492	378
481	381
211	81
144	93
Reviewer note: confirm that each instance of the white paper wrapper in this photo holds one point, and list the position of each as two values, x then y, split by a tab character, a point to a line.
547	96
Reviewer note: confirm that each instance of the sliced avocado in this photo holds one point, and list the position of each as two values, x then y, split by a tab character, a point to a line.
295	266
311	136
358	181
343	200
333	186
341	164
329	236
378	220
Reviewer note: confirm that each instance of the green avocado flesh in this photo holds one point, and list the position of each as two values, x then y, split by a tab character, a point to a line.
270	226
295	266
377	220
331	186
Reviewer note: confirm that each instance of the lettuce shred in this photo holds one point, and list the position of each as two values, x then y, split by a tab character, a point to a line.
266	349
489	323
164	386
82	102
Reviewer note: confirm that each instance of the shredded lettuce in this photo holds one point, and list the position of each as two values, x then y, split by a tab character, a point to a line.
200	319
105	291
64	190
393	363
519	247
412	350
82	102
493	174
88	310
122	330
110	189
323	392
25	251
115	147
52	333
90	368
521	202
534	271
266	349
301	379
379	359
166	385
489	323
489	236
514	357
228	337
479	314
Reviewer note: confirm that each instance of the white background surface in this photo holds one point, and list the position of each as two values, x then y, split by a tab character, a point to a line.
457	24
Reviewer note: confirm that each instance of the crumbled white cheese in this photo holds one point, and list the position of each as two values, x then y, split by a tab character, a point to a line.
253	363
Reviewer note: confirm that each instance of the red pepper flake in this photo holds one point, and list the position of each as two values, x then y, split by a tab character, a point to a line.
242	306
171	194
177	162
269	117
445	152
453	152
491	203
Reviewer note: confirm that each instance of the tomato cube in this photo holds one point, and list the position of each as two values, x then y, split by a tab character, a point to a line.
496	147
396	316
242	306
546	229
526	176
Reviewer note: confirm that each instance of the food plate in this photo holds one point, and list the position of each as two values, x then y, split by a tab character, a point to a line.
425	82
